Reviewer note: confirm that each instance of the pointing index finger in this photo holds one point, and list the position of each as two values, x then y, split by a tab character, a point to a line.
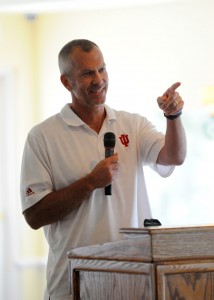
172	88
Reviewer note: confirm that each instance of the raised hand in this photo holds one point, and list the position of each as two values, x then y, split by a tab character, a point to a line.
171	102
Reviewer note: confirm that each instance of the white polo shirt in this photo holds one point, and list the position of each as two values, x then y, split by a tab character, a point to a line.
63	149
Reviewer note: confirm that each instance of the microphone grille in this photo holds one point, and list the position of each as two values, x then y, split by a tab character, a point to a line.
109	140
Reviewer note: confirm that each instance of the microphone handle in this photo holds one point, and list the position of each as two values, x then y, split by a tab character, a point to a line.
108	152
108	190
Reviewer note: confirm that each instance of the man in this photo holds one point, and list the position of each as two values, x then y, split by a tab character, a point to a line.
64	171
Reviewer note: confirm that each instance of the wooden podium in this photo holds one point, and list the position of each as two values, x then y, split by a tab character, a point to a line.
153	263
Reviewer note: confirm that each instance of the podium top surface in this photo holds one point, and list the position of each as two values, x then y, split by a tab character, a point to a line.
153	244
168	230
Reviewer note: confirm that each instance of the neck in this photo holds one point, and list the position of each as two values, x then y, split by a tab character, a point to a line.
94	117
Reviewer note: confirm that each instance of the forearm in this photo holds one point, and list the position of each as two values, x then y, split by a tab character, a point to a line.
174	150
58	204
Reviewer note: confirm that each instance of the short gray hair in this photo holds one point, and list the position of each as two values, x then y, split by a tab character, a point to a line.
64	60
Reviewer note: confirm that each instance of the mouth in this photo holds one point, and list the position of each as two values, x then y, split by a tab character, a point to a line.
97	91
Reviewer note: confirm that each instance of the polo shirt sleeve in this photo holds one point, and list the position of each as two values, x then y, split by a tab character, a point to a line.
35	182
151	142
163	171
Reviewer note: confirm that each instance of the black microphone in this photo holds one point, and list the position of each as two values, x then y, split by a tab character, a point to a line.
109	143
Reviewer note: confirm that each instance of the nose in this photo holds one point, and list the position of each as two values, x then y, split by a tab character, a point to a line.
97	79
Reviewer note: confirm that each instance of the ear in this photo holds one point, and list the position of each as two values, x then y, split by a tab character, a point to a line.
66	82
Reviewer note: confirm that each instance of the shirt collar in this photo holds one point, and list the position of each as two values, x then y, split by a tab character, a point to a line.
70	118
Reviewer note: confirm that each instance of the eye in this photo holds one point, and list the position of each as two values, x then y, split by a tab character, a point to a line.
86	74
103	69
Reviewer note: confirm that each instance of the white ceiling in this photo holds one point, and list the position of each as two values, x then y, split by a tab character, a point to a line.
38	6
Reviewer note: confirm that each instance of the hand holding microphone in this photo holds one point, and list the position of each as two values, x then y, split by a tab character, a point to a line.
104	172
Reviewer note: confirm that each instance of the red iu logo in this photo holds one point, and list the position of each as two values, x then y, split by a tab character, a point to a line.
124	139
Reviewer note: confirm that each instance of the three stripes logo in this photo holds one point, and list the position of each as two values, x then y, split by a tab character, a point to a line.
29	192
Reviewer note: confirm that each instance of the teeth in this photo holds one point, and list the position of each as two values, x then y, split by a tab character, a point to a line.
98	91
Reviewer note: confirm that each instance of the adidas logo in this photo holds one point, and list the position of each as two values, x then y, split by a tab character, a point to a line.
29	192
